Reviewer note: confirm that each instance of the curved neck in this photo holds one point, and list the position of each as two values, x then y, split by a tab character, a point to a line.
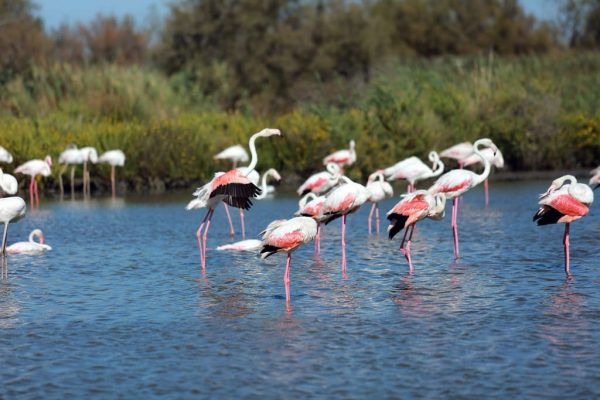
308	197
438	168
34	234
254	157
486	165
561	181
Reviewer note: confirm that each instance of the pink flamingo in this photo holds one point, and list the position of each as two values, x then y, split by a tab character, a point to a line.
458	152
232	187
495	159
242	245
321	182
379	190
411	209
343	158
34	168
457	182
311	205
285	236
31	246
342	201
413	170
564	203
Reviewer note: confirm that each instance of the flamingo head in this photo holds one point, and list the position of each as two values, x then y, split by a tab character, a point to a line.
439	208
48	160
433	156
269	132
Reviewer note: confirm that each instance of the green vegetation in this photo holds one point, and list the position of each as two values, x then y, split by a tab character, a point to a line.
400	77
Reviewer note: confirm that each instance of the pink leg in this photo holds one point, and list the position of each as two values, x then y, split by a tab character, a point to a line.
37	194
199	237
286	278
31	190
242	220
210	213
455	227
231	230
407	254
318	239
371	217
403	240
344	245
377	217
487	196
566	245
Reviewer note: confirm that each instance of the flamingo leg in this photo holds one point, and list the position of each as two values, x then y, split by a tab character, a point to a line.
377	217
371	217
60	180
455	227
210	213
85	179
112	181
4	236
286	277
344	244
72	181
566	246
231	230
36	193
318	239
407	254
242	221
31	192
199	237
486	191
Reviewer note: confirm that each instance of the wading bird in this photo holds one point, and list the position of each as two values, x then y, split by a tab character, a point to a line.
564	203
242	245
343	158
114	158
495	160
411	209
413	170
456	182
71	156
89	154
34	168
321	182
379	190
232	187
268	190
5	156
31	246
8	184
235	154
285	236
311	205
343	200
458	152
12	209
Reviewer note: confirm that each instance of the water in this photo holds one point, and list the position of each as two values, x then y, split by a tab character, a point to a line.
119	307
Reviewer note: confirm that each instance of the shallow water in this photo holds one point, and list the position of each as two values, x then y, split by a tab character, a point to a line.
120	307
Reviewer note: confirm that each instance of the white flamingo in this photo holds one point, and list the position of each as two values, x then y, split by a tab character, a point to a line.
8	184
235	154
114	158
31	246
5	156
71	156
89	154
495	160
268	190
34	168
12	209
379	190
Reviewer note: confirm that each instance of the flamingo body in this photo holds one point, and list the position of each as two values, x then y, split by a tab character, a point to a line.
343	158
12	209
31	246
5	156
235	154
243	245
321	182
458	151
115	158
8	184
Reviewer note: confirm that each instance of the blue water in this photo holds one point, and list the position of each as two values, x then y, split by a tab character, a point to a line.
120	308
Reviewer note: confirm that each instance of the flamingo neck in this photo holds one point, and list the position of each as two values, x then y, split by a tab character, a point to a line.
254	156
486	165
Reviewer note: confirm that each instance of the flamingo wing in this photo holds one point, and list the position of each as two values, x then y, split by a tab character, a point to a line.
408	211
236	188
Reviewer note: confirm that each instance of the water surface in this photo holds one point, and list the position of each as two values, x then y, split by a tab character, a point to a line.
119	307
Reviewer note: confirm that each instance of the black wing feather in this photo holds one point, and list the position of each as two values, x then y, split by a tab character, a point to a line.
237	194
397	222
547	215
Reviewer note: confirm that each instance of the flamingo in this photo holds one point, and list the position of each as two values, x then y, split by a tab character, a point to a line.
267	190
12	209
89	154
595	179
311	205
5	156
321	182
495	159
413	170
458	152
242	245
34	168
342	201
115	158
379	190
30	247
344	158
232	187
458	181
234	153
8	184
411	209
564	203
285	236
71	156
